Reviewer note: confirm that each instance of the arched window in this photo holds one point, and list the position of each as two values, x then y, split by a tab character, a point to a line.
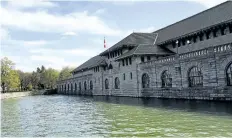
85	85
195	77
145	80
91	85
116	83
75	87
166	79
106	84
79	86
229	75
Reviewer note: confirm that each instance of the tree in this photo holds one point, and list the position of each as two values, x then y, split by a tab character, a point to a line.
65	73
50	78
6	68
13	81
25	79
35	79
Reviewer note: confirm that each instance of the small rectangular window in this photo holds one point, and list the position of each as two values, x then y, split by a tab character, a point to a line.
201	37
126	61
215	33
130	61
148	58
124	76
142	59
174	45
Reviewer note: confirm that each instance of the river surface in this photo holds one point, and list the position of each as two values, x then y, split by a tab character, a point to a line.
66	116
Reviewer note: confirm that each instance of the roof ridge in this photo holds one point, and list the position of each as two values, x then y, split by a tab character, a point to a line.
192	16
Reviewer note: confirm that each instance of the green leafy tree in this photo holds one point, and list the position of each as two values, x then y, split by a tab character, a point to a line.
50	78
25	79
14	81
6	68
65	73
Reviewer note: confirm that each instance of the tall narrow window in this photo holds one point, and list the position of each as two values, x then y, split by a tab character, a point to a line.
130	61
106	84
145	81
91	85
123	63
148	58
126	61
68	87
142	59
166	79
195	77
124	76
85	85
116	83
131	75
229	75
79	86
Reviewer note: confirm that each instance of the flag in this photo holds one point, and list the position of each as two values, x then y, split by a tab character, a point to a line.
104	43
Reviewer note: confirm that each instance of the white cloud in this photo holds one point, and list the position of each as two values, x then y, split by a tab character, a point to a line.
100	11
4	34
208	3
80	52
20	4
42	21
34	43
69	34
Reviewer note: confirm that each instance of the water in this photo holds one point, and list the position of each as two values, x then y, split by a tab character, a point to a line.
113	116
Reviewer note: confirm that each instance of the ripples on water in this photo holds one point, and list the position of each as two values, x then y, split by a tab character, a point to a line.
113	116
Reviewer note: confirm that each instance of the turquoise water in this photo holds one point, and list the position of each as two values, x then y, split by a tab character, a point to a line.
113	116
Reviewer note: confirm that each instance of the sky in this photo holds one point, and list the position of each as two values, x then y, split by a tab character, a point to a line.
67	33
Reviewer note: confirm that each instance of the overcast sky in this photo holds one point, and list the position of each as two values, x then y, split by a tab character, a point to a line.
57	34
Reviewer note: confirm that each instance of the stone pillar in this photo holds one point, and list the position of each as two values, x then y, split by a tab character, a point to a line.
210	69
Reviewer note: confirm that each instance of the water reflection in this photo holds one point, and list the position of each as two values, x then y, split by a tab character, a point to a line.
213	107
113	116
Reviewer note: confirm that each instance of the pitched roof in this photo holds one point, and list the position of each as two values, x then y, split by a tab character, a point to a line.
93	62
133	39
213	16
146	49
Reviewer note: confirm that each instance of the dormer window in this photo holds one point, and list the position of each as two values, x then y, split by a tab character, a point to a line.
142	59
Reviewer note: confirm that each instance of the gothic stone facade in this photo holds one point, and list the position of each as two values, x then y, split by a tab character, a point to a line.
191	59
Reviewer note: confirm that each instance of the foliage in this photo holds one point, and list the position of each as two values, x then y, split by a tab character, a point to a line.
50	76
9	77
65	73
41	78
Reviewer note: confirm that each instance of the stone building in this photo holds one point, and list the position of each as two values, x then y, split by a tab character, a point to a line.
190	59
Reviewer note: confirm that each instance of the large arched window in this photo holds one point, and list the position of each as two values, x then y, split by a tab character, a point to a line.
85	85
91	85
195	77
229	74
166	79
145	80
106	84
116	83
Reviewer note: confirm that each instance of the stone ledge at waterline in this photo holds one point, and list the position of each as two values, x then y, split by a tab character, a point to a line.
27	93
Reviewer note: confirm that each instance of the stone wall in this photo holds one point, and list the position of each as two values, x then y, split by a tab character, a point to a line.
212	62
